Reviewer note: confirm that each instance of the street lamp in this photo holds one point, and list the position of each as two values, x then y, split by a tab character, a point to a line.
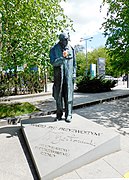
86	39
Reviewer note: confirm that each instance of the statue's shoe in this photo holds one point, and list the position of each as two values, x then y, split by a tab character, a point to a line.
58	119
68	119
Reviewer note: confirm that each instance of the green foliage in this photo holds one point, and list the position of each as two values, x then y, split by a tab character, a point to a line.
86	84
96	53
12	110
81	64
116	28
27	82
29	29
92	59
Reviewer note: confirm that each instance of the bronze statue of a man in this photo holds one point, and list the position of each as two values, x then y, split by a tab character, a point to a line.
62	57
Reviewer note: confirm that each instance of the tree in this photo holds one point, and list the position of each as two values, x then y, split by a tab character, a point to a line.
96	53
116	28
29	29
92	59
81	63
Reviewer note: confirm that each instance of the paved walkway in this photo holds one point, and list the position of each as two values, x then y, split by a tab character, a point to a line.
15	162
46	103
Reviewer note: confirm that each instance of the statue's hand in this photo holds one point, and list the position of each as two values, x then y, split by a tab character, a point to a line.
65	53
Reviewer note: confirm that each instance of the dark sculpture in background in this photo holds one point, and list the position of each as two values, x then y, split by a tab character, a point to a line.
62	57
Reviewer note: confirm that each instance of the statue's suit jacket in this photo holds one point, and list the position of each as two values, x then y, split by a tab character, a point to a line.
63	68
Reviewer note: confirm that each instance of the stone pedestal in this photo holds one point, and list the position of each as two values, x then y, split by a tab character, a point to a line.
59	147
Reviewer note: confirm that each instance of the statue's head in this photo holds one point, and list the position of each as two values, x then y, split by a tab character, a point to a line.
63	39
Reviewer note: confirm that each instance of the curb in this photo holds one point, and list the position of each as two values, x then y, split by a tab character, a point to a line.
81	105
99	101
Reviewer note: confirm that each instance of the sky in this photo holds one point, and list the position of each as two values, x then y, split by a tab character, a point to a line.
87	21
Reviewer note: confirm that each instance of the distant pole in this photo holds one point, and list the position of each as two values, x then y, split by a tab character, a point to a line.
86	39
86	57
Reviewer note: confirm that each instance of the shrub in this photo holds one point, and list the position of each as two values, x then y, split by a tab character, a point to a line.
86	84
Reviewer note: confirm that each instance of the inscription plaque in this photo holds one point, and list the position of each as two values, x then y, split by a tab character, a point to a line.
60	147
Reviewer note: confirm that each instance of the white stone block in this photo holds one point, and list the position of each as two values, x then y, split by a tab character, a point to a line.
59	147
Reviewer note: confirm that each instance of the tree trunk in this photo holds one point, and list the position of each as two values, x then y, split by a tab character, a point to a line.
15	76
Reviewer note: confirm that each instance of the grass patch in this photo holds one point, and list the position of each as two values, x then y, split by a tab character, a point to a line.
12	110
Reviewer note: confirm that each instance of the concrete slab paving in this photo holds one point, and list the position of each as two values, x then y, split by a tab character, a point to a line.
118	161
115	165
124	143
13	163
95	170
71	175
98	169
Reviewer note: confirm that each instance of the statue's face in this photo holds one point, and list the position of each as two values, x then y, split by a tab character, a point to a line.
64	42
